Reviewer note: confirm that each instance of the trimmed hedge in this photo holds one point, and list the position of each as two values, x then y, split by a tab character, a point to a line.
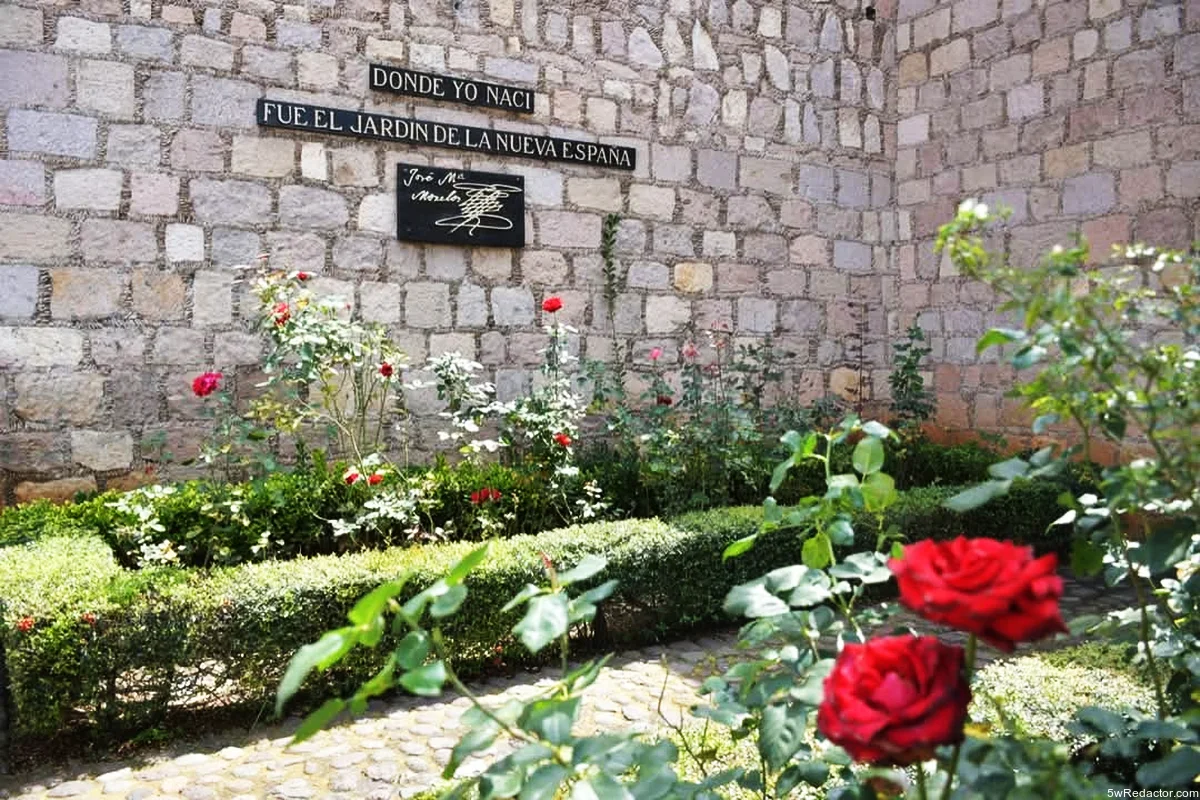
170	638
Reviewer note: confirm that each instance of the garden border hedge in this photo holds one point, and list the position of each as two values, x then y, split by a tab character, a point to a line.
229	632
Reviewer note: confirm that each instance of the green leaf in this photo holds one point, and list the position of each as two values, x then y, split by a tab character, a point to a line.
413	650
1012	468
977	495
521	597
780	473
1087	559
1102	720
586	568
544	782
425	681
811	590
876	429
815	552
754	601
545	620
446	604
551	720
839	482
1178	769
499	783
1043	423
319	655
371	606
878	491
771	510
841	531
866	567
998	336
1166	547
735	549
781	732
479	737
814	773
315	722
473	559
1028	355
868	456
785	579
600	786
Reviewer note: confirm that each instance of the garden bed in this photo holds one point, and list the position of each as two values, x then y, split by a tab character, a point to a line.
93	645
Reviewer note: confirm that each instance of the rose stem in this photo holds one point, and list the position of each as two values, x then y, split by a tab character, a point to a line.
969	667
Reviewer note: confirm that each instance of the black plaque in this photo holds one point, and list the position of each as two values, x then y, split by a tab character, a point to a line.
454	206
367	125
412	83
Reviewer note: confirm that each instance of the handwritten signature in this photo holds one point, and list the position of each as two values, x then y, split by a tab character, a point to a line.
478	206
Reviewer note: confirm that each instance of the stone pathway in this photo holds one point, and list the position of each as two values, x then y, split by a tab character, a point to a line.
400	748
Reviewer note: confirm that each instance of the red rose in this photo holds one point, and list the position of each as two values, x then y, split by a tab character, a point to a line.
894	699
551	304
375	479
303	276
25	624
205	384
996	590
283	313
89	618
352	478
562	439
485	495
386	369
663	400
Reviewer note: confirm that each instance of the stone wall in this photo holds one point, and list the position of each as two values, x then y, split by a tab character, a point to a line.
1083	116
134	181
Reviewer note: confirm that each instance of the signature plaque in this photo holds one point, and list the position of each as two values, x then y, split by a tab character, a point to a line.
455	206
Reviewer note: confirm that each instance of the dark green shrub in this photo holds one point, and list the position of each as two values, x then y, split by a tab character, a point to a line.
161	637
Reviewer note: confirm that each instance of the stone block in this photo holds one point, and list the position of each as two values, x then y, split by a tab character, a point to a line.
222	102
809	250
1140	69
184	243
492	263
145	42
118	241
163	97
32	79
666	314
245	203
305	207
721	244
35	348
61	490
766	174
83	36
134	146
276	66
1027	100
95	189
22	183
70	398
756	315
570	229
33	452
212	297
21	26
37	239
427	305
117	347
512	306
231	247
471	306
951	57
198	151
53	134
106	87
354	166
851	256
1091	193
200	51
693	276
154	194
717	169
543	267
102	451
603	194
265	158
1183	180
647	275
85	293
358	253
18	291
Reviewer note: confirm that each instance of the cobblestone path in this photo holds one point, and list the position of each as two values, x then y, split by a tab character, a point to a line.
400	748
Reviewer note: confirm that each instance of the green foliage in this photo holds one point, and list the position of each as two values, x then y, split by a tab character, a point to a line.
911	402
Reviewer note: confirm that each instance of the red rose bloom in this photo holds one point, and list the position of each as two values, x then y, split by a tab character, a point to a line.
375	479
89	618
895	699
303	276
663	400
562	439
25	624
205	384
352	478
485	495
995	590
386	369
551	304
283	313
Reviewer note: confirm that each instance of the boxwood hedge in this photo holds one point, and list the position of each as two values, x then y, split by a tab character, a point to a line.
90	644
